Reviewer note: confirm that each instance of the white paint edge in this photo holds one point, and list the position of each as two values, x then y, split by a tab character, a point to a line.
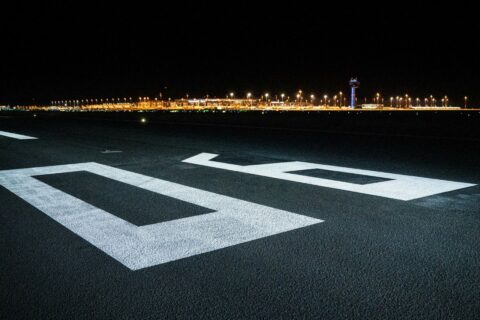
16	136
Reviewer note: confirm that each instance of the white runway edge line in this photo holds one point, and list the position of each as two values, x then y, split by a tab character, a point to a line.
233	222
400	187
16	135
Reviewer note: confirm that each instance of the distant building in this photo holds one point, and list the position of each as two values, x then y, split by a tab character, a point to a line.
371	106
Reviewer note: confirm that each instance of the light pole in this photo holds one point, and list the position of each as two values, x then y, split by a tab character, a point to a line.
299	97
465	99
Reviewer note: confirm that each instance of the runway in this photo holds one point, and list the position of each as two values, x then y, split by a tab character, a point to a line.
131	220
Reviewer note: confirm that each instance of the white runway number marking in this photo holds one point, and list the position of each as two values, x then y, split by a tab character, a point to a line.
15	135
400	187
233	222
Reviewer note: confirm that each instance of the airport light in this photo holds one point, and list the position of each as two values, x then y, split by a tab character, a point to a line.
249	96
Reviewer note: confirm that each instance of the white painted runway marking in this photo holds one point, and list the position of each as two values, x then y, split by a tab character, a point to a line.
400	187
111	151
233	222
16	135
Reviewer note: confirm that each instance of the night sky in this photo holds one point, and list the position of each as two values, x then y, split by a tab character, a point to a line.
65	52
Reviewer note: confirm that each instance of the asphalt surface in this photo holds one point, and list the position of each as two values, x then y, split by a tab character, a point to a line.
371	257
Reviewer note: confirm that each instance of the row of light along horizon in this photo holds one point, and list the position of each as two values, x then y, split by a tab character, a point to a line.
298	99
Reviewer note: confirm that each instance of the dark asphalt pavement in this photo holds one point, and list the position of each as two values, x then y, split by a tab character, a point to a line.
371	258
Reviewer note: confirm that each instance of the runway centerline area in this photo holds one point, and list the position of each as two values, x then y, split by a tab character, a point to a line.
178	222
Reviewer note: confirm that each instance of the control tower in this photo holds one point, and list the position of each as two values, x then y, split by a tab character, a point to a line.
354	84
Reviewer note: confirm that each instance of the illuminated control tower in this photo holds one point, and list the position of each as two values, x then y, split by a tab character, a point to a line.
354	84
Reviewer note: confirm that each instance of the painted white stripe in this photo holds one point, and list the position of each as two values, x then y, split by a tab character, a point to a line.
400	187
111	151
233	222
16	135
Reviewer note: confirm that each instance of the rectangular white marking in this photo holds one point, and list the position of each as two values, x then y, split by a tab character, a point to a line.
234	221
400	187
16	135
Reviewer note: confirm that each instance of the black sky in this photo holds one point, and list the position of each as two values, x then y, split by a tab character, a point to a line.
57	51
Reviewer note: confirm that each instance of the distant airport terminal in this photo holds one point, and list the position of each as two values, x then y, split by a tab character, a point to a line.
299	101
264	104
